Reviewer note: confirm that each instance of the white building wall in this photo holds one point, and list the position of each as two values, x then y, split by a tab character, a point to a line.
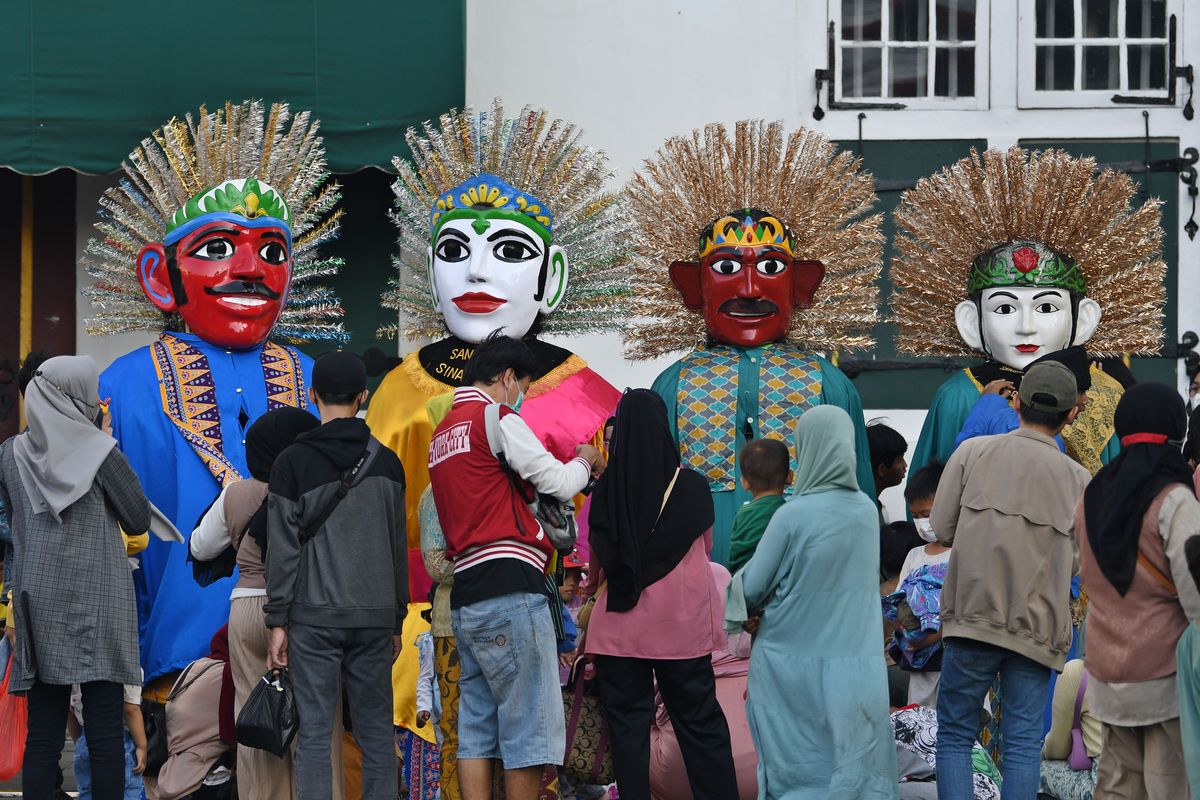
632	73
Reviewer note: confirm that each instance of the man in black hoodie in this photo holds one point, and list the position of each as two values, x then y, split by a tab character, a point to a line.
337	583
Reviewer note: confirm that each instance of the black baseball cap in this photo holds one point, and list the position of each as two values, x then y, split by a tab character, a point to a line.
339	372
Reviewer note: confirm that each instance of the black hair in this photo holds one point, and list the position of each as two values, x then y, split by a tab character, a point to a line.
924	482
494	355
611	422
764	464
895	542
1191	445
336	398
1052	420
29	367
886	445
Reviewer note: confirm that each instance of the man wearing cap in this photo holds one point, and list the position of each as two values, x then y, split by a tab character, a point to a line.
1007	506
337	578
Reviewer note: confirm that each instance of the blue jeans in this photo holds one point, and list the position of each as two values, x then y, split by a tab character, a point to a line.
510	705
968	670
83	770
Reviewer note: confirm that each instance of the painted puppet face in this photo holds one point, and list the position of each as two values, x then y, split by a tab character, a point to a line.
229	280
489	270
224	264
747	282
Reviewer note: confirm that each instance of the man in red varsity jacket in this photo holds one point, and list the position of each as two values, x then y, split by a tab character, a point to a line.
511	706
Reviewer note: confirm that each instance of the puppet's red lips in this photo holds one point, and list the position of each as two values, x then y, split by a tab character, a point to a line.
742	308
478	302
1028	348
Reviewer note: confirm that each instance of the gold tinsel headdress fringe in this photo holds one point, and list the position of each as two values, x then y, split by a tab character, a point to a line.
185	158
1044	196
819	193
540	156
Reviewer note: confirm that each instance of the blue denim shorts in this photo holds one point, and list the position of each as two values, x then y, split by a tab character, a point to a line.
511	703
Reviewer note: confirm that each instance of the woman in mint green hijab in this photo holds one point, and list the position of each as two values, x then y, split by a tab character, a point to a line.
817	696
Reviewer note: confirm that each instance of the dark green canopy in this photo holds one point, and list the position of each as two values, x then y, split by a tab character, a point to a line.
83	81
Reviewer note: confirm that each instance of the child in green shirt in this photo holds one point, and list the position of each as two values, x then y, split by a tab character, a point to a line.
765	474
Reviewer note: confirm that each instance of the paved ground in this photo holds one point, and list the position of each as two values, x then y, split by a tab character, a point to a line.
13	788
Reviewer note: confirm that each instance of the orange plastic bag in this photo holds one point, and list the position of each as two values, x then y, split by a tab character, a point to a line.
14	724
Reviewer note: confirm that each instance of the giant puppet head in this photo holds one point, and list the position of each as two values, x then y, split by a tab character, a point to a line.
488	210
747	281
1027	253
764	237
216	225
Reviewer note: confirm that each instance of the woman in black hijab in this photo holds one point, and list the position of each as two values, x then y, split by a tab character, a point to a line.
657	614
1136	516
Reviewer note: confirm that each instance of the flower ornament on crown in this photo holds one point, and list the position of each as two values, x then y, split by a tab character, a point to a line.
489	192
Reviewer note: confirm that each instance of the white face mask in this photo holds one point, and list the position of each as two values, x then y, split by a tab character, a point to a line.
925	530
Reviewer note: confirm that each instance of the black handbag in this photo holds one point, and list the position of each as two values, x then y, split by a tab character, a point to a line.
268	719
154	720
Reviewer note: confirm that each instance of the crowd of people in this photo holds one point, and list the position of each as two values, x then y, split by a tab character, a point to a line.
791	674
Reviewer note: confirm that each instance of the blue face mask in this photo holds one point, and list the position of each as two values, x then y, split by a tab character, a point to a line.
516	406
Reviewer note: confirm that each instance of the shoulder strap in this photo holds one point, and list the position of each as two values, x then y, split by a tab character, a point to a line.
1157	574
666	496
182	684
491	426
350	479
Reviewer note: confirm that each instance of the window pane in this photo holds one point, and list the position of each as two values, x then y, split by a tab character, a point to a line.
1101	70
1055	69
861	20
954	72
1147	66
1100	18
955	20
1145	19
1055	19
861	72
908	67
910	21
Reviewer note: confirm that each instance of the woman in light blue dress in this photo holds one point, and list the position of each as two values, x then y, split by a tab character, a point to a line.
817	698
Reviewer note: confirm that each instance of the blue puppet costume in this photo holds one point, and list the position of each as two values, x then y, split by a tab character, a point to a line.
757	254
243	205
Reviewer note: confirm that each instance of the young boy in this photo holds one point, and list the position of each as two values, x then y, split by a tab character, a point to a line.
921	579
887	447
765	474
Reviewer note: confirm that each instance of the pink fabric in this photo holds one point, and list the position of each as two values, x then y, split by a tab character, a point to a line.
1196	481
679	616
572	413
731	665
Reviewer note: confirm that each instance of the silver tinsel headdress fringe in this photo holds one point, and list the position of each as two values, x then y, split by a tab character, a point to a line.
187	157
819	193
1046	196
538	155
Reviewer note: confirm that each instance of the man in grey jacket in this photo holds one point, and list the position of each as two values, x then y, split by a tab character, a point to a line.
1007	505
337	583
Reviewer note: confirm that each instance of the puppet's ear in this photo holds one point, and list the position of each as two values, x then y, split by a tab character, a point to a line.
686	277
155	280
806	278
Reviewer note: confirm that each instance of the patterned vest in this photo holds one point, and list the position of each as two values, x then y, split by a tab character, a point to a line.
710	418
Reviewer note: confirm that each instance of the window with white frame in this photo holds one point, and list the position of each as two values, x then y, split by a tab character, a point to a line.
921	53
1080	53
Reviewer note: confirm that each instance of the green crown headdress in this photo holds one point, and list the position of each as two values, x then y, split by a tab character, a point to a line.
1023	263
241	159
248	198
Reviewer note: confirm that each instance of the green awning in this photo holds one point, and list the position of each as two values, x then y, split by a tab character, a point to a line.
83	81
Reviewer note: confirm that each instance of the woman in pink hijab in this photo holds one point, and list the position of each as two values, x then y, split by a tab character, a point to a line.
731	665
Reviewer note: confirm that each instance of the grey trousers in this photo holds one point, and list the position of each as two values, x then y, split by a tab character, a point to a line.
317	658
